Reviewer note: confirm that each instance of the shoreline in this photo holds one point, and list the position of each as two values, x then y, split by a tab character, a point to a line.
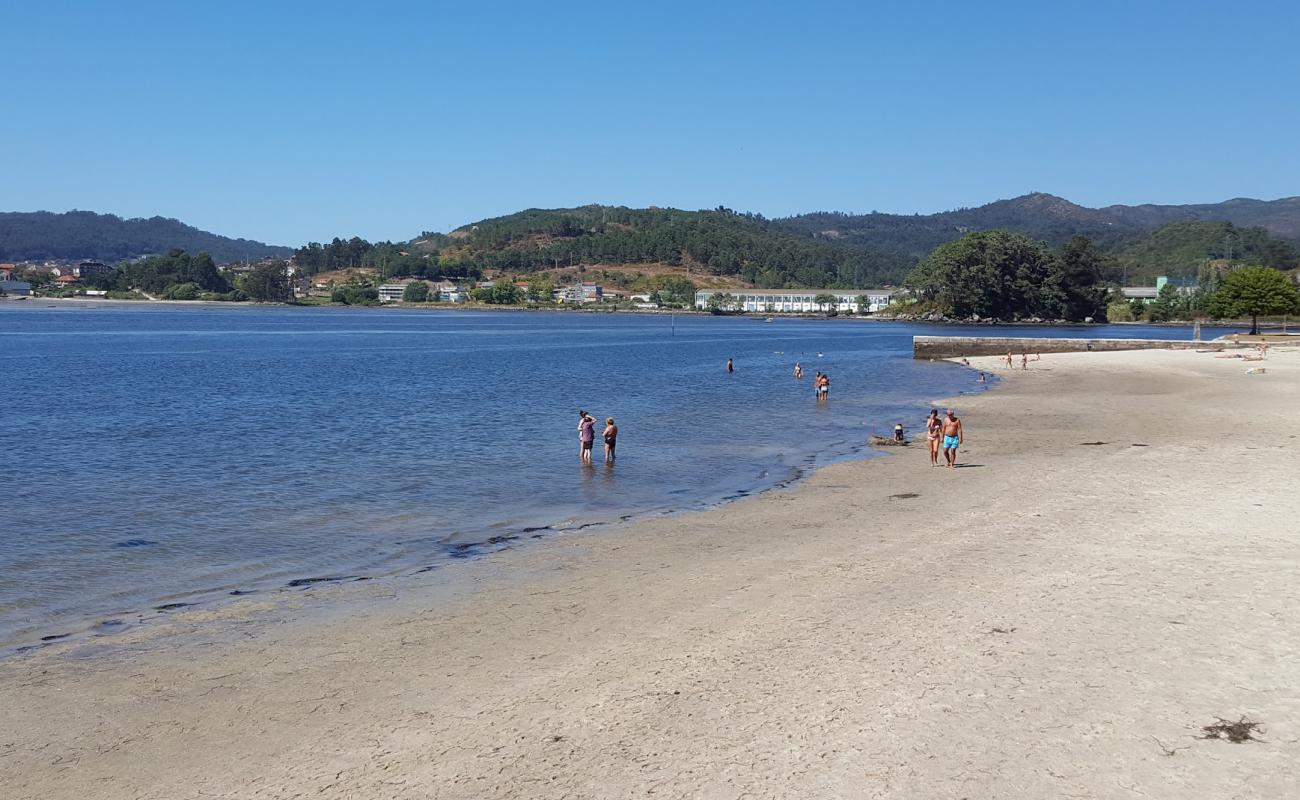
1051	619
100	302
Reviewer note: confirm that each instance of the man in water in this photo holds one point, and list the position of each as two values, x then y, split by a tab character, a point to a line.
730	367
952	438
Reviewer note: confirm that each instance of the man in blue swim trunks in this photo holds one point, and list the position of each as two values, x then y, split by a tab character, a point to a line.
952	438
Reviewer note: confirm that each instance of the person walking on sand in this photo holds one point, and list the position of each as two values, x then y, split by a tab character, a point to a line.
730	367
611	439
952	438
1024	361
586	435
1009	365
933	426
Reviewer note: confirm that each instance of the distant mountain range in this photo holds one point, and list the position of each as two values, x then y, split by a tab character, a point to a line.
1043	216
41	235
817	249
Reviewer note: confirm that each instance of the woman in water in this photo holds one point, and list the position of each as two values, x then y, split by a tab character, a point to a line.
586	435
932	430
611	439
798	371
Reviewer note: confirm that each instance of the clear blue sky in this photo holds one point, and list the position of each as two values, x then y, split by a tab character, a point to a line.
296	121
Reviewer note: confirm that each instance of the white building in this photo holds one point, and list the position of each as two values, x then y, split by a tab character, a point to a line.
391	292
776	301
584	293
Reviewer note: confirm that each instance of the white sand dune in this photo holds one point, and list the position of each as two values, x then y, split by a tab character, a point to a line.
1055	619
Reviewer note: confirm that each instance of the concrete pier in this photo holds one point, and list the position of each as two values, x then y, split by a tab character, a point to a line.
957	346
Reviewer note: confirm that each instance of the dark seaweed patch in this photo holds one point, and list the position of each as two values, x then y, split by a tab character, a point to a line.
296	582
171	606
135	543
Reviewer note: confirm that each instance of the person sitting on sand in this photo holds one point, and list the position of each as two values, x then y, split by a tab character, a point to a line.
611	439
586	435
952	438
932	432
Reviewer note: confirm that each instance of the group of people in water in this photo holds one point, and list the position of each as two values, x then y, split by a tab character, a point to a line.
941	433
587	437
821	381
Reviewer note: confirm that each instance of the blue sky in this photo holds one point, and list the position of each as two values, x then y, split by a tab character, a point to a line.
296	121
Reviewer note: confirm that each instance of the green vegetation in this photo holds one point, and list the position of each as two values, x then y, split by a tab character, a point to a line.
268	283
1004	275
39	235
717	242
1181	248
1254	292
501	294
158	274
416	292
387	259
355	295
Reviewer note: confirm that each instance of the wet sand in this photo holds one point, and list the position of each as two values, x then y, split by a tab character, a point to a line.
1113	567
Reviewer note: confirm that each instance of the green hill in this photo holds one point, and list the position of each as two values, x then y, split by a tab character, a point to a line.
718	242
1182	248
40	235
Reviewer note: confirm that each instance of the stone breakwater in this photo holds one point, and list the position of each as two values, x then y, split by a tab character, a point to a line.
959	346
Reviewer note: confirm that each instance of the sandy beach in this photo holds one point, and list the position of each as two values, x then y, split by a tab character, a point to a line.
1113	568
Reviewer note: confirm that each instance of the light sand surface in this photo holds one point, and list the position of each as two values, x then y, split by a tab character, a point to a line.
1055	619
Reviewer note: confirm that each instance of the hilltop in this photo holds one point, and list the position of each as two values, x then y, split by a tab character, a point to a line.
718	242
1040	215
40	235
834	249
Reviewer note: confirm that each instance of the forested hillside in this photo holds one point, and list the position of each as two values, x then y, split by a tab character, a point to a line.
39	235
1041	216
717	242
1182	248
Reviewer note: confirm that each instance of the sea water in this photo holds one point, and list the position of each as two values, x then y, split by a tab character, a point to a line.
152	456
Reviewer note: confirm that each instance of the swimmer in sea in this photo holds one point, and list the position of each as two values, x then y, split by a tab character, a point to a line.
611	439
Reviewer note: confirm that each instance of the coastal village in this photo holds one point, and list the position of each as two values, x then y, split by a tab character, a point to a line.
72	279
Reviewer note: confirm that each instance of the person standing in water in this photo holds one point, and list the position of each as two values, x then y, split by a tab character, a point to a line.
730	367
932	433
611	439
798	371
952	438
586	436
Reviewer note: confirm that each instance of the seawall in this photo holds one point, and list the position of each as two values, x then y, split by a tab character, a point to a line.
958	346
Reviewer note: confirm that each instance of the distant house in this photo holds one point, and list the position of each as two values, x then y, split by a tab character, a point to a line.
802	300
1181	285
7	271
583	293
87	269
66	280
15	288
391	292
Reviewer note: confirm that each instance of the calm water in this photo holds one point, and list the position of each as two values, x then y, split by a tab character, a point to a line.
151	456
